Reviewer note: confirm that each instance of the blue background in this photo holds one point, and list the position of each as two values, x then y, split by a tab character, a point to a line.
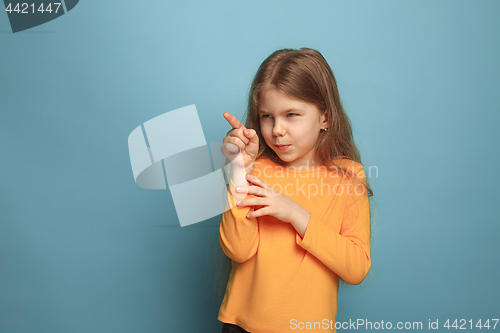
84	249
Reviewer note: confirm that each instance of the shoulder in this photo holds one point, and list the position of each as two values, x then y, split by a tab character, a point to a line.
347	163
350	166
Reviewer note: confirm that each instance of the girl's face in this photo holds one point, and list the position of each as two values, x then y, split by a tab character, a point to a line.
290	127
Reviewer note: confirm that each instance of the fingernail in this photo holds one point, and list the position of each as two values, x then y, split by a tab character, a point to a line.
238	189
238	203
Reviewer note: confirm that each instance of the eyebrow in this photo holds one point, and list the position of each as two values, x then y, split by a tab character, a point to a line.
284	111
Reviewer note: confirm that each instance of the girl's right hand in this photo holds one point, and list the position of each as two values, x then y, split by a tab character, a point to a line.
239	138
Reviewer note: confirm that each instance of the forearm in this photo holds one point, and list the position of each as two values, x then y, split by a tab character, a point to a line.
238	234
347	253
238	178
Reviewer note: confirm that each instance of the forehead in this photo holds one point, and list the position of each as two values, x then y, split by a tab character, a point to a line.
274	100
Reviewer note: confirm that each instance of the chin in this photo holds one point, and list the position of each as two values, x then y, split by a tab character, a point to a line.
284	159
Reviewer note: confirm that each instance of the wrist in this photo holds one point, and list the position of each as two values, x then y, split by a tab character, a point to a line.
300	220
249	168
238	179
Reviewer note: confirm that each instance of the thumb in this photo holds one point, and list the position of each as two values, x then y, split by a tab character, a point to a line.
251	134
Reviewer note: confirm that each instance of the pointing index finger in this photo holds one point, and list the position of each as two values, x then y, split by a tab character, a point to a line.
233	121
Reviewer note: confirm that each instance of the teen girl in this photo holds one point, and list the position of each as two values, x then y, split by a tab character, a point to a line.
300	216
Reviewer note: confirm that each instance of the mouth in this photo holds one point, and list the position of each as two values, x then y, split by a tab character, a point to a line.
282	147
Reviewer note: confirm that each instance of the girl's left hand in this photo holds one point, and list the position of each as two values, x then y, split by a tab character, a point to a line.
275	204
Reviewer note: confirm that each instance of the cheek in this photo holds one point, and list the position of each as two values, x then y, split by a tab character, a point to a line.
303	136
300	132
265	129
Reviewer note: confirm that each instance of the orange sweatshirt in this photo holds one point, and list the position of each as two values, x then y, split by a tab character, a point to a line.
281	282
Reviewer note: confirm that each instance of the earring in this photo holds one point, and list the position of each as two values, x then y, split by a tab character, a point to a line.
325	129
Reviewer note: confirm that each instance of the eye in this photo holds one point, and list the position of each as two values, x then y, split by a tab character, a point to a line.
292	114
265	116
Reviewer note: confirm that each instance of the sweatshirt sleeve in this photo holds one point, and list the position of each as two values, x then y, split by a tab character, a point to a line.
239	235
346	253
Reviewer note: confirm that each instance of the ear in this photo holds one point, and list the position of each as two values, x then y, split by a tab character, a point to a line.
324	119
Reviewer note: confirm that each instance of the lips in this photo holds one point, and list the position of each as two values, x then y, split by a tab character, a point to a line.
282	147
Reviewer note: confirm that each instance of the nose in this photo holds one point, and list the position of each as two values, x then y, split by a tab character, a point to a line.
278	129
